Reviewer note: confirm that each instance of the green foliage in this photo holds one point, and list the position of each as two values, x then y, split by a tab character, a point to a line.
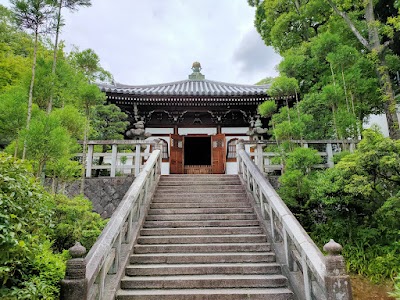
35	229
267	108
13	109
46	140
28	268
76	222
297	181
360	201
108	122
396	292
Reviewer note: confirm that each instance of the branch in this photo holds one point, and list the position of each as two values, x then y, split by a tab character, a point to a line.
353	28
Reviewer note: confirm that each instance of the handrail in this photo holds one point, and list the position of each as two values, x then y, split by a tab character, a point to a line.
134	164
326	150
299	254
104	264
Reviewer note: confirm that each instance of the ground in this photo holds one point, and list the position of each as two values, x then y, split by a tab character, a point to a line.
363	289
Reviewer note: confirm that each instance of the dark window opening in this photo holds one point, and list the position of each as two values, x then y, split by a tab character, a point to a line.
197	150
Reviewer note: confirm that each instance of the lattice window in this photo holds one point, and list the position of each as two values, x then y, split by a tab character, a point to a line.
164	152
231	153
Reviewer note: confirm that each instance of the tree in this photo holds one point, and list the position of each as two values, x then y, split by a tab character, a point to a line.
375	43
88	62
108	123
33	15
12	114
286	24
72	5
47	140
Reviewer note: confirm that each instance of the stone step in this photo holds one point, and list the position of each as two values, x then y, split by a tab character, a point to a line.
201	231
202	248
202	269
180	211
201	239
230	204
207	294
199	198
195	217
200	223
179	182
202	258
198	177
200	189
203	281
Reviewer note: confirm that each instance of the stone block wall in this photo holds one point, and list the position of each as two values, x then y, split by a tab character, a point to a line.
105	193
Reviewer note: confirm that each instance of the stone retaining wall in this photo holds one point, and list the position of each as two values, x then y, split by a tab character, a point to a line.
105	193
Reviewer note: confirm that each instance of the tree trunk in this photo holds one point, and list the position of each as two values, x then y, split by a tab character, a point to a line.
30	99
389	102
375	46
53	68
85	137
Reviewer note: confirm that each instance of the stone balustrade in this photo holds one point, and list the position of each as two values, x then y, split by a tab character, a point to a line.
97	275
115	162
308	270
326	149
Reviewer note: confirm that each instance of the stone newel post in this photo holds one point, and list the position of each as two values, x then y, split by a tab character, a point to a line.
337	281
74	285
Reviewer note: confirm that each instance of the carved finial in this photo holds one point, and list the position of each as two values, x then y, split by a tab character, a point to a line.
333	248
240	144
196	75
196	67
77	251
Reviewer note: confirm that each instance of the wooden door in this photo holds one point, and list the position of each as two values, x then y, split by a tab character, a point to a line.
176	154
218	153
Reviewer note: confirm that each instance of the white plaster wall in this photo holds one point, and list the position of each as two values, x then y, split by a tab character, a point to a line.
234	130
231	168
380	120
165	168
156	131
186	131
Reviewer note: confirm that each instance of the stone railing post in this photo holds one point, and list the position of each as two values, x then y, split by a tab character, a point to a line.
74	285
239	146
337	282
260	157
159	146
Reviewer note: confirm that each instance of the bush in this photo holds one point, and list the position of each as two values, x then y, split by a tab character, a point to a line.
28	268
76	222
360	201
35	230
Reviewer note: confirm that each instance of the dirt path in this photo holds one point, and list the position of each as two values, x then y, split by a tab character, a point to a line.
363	289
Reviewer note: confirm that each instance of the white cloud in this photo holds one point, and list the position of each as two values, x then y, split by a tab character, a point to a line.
154	41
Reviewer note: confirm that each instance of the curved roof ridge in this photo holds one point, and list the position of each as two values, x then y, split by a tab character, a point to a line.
189	87
127	86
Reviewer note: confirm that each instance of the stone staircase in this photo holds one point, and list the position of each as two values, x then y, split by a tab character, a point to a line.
201	240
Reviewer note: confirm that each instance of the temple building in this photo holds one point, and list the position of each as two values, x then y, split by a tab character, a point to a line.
198	120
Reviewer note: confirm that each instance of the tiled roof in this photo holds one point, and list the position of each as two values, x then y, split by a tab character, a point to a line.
188	88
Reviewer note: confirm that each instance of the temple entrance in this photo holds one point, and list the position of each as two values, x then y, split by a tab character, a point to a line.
197	154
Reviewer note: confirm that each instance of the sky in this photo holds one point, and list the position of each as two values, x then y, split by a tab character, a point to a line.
156	41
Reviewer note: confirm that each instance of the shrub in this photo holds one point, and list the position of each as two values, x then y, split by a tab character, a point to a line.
28	268
76	222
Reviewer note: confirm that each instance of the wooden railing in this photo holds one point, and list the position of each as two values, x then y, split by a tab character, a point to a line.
97	275
124	162
326	149
302	261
